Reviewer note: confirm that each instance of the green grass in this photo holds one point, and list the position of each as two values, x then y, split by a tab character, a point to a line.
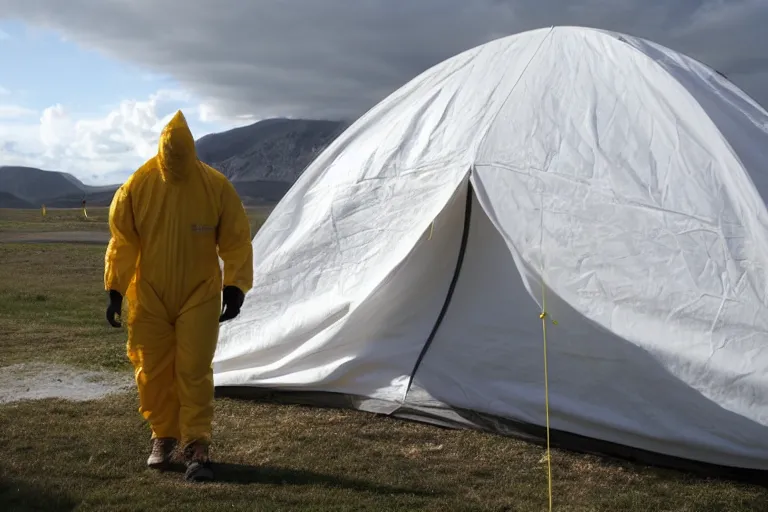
84	456
57	220
32	221
52	307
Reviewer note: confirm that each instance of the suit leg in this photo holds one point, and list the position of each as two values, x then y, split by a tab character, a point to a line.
152	350
197	332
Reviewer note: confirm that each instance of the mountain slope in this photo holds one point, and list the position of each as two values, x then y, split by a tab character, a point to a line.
274	150
8	200
37	186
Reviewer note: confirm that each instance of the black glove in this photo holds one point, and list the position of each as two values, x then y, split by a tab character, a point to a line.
232	300
115	308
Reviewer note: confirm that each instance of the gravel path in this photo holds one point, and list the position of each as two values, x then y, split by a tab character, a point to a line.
36	381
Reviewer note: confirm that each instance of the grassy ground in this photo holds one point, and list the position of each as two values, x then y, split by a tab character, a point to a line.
61	455
56	220
51	303
32	221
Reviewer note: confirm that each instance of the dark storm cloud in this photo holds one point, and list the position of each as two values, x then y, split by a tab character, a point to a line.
334	58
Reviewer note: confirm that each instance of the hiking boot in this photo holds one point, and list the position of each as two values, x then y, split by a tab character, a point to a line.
162	449
198	463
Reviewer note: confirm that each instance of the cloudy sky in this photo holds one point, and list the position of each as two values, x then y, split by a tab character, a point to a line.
85	85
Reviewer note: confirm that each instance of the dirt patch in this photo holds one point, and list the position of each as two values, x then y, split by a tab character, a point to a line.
68	237
36	381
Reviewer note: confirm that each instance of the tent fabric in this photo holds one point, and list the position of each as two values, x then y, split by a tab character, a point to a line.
620	178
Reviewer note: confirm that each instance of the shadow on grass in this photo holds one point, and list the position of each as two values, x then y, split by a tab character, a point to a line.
245	475
18	496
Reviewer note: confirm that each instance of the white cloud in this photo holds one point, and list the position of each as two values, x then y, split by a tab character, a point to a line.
4	36
4	91
14	111
103	148
55	127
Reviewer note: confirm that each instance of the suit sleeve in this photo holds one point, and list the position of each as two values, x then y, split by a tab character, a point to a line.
234	239
123	249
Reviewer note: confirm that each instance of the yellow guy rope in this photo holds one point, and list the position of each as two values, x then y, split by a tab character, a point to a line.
543	317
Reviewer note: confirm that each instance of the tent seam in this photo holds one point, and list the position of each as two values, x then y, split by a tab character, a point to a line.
509	95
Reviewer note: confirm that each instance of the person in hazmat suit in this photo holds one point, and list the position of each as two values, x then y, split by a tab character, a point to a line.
170	223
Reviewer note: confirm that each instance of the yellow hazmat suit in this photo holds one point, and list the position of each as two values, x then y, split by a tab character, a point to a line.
170	222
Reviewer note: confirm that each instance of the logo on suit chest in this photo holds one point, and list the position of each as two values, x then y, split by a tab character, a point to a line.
203	228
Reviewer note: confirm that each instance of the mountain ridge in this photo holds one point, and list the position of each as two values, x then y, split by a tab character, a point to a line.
262	160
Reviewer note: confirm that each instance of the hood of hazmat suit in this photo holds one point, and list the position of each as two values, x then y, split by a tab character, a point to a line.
176	153
170	222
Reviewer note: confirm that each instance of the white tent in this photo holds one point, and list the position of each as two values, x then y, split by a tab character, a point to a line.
614	179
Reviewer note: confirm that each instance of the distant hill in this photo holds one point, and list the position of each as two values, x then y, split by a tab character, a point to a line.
8	200
251	192
262	160
35	185
93	198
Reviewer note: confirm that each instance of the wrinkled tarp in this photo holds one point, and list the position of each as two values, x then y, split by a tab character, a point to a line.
624	176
